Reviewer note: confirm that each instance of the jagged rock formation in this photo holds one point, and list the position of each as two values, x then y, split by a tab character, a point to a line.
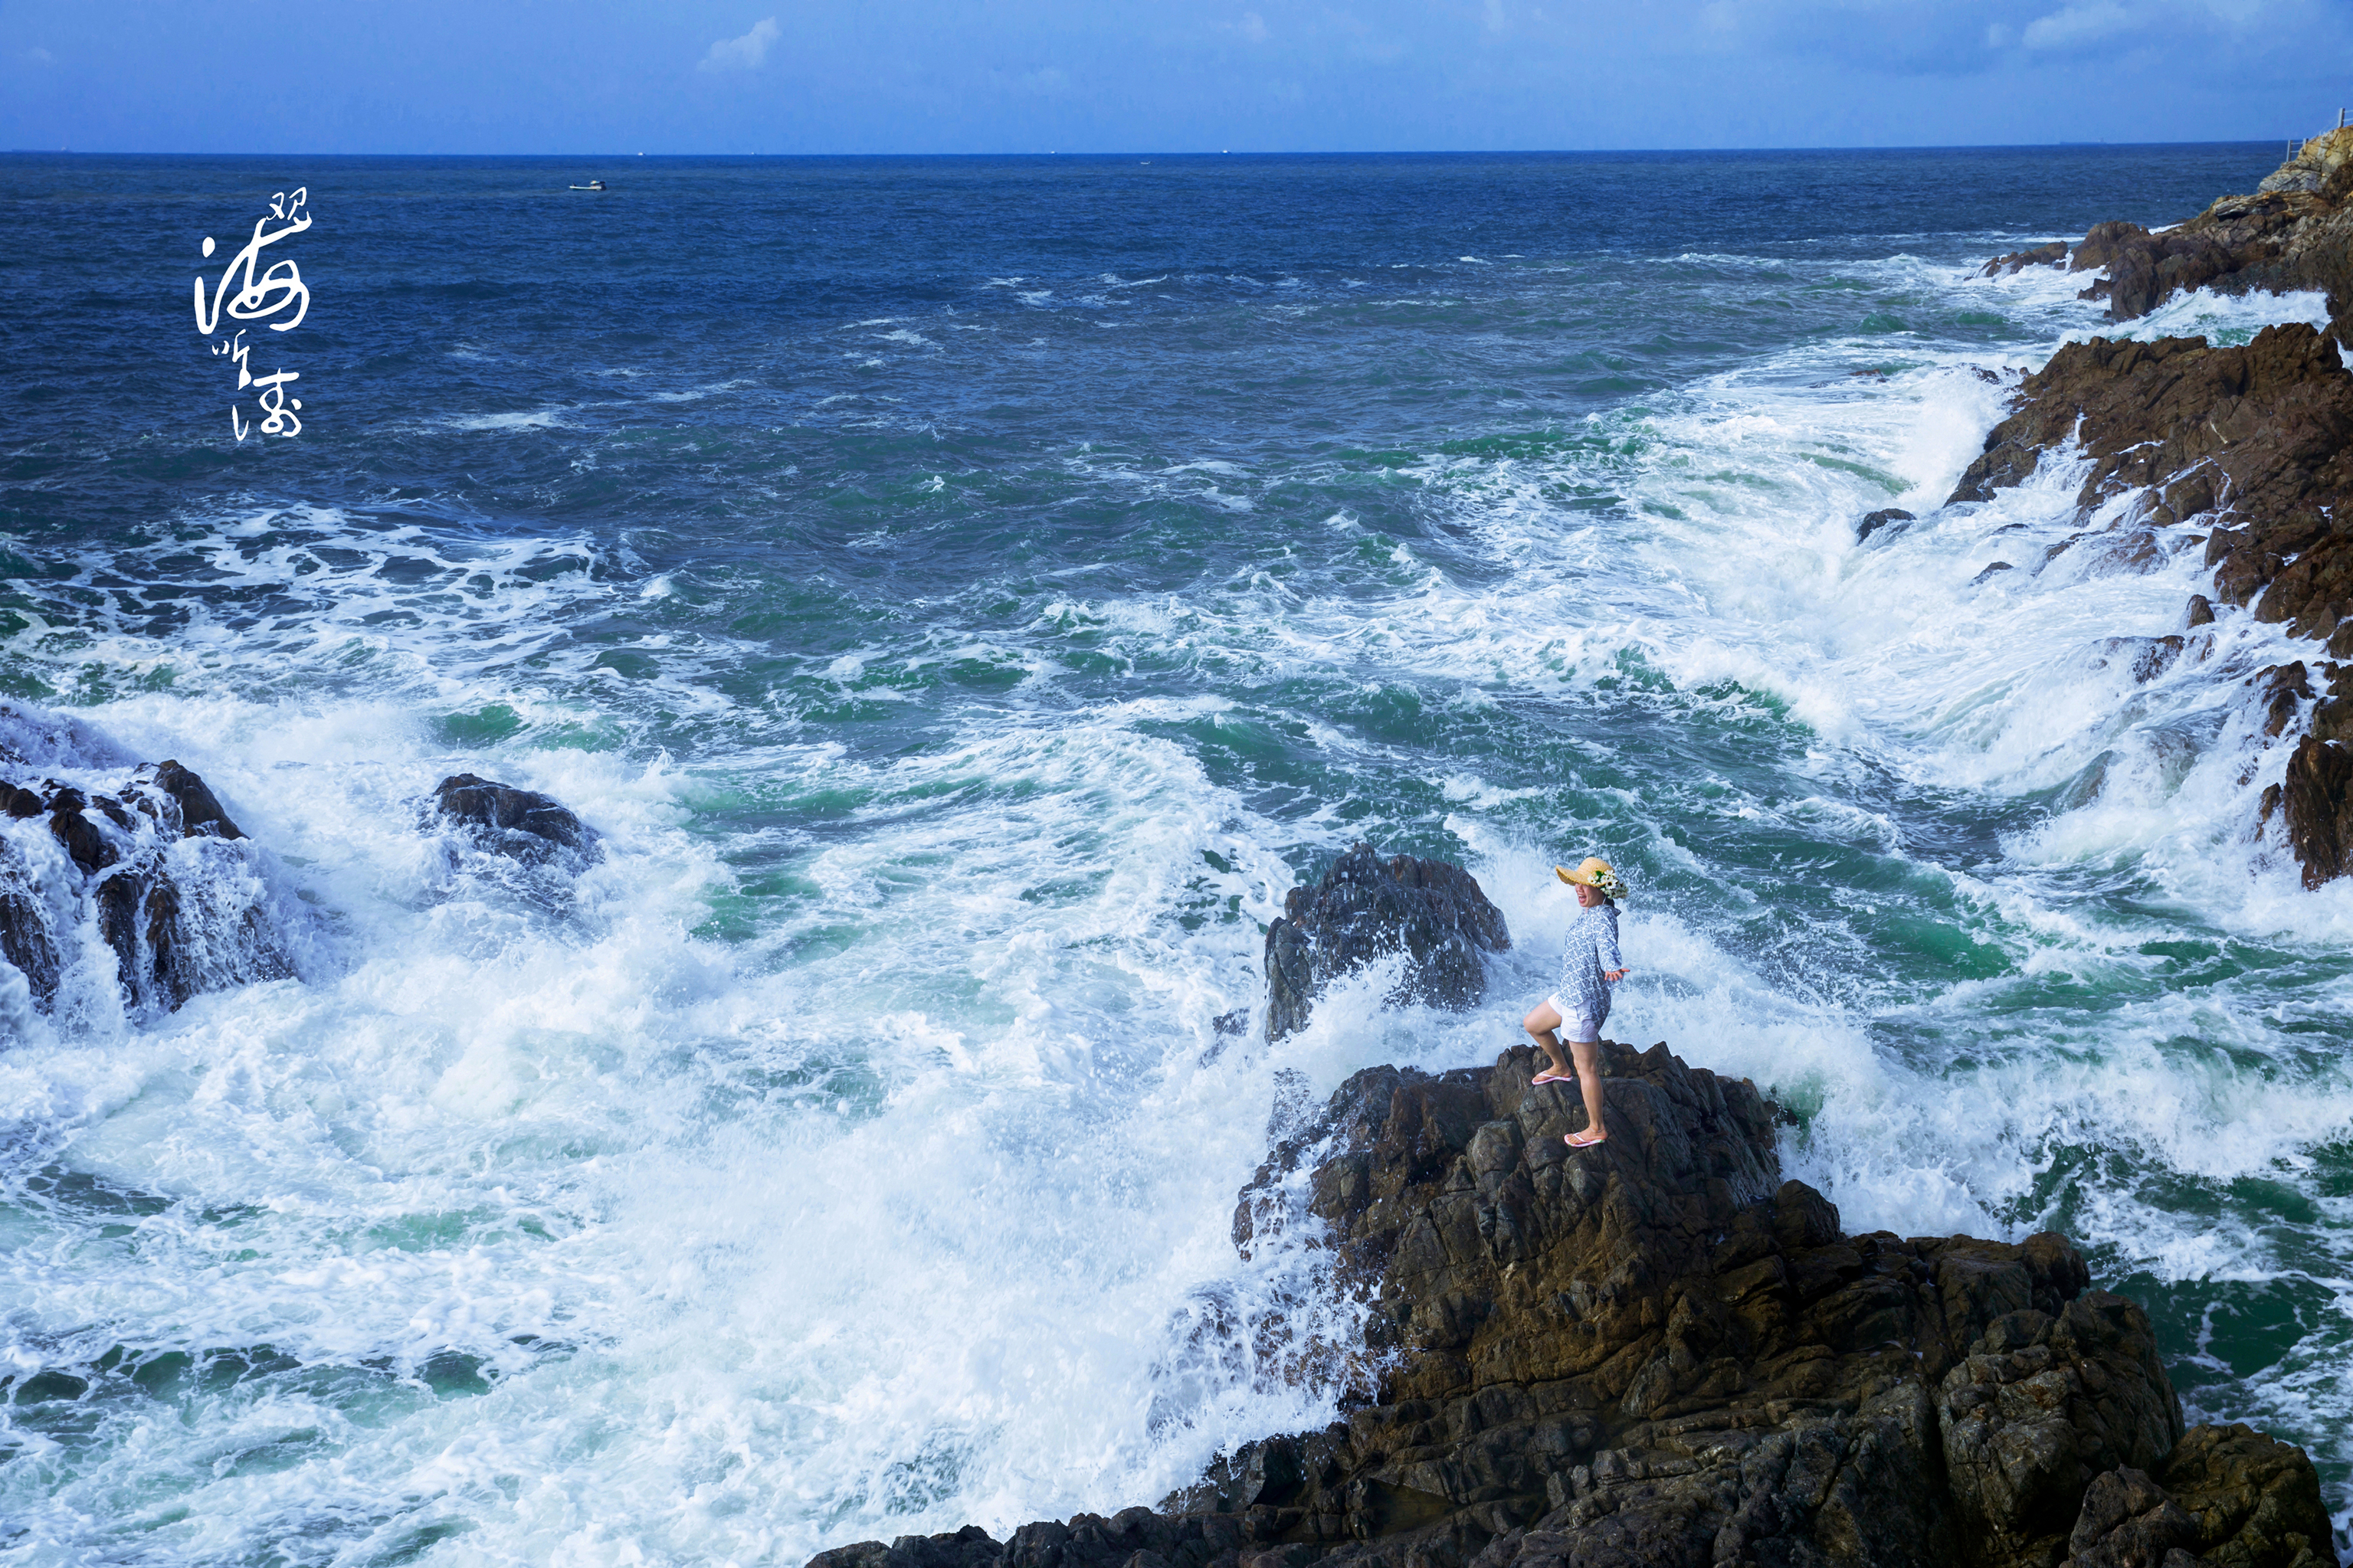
2253	442
1658	1354
2296	231
151	863
520	823
1366	907
2051	254
2256	444
2252	439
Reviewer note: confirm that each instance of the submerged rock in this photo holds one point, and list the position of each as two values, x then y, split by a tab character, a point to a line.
1659	1354
1366	907
520	823
2052	254
1872	522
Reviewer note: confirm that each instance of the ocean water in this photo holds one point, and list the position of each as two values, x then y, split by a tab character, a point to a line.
965	594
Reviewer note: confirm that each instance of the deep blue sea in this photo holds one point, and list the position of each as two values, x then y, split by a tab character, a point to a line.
965	594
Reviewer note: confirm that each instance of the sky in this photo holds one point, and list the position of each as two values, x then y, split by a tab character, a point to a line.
1119	75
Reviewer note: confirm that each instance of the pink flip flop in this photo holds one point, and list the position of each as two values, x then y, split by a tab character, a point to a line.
1548	1076
1579	1141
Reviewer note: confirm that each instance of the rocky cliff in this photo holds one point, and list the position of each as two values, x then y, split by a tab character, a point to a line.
2249	445
1659	1353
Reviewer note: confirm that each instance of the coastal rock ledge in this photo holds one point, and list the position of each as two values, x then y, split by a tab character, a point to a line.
1659	1353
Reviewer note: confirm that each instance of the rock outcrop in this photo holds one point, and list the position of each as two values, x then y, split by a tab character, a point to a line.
1884	518
1660	1353
1365	908
2253	443
2051	254
2294	232
151	862
520	823
2256	444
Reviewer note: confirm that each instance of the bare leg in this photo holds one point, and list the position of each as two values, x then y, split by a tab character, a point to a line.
1588	1078
1540	1024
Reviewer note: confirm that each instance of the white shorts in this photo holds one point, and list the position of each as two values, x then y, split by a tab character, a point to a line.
1574	1024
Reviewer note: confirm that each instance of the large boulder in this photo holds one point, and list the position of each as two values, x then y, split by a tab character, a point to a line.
1365	908
2254	1499
518	824
1659	1354
2130	1522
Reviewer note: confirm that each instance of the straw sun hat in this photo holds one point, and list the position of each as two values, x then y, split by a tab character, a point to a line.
1594	873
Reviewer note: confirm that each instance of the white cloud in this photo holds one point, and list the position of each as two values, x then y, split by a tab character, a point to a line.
746	52
2073	26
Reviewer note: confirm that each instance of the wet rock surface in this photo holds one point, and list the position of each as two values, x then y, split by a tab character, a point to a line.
1366	907
1659	1353
520	823
1872	522
2052	254
150	863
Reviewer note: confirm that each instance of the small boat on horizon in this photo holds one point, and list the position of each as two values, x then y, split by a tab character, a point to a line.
591	185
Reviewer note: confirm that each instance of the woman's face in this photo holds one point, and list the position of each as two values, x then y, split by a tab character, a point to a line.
1586	896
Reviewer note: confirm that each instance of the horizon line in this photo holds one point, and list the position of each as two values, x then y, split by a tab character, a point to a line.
1227	153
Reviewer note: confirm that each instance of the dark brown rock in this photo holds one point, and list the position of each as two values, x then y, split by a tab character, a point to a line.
2042	1406
2099	246
2130	1522
2265	424
520	823
2145	659
2258	441
2316	796
2050	255
1365	908
2255	1500
1656	1353
1872	522
85	842
26	940
200	810
2286	688
2296	232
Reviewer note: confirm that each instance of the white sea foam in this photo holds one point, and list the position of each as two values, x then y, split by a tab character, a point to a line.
530	419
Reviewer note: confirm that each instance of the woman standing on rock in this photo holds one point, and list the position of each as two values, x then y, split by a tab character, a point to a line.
1589	967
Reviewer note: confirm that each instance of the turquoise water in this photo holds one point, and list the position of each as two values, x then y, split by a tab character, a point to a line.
966	594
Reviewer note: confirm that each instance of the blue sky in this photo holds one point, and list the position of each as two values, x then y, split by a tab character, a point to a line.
985	76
